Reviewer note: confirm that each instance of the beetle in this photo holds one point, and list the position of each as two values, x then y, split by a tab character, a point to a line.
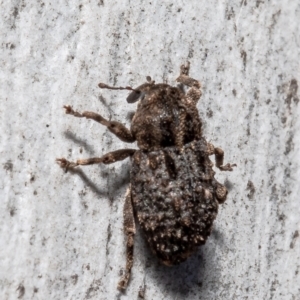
173	194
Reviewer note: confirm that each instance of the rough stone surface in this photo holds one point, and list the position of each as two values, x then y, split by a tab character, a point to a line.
61	234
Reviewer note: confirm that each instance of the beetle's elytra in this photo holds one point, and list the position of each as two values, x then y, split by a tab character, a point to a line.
173	194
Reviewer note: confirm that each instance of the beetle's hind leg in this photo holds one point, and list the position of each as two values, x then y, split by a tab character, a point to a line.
108	158
129	229
116	128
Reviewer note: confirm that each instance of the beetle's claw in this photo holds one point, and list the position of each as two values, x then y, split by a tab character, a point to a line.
68	109
227	167
65	164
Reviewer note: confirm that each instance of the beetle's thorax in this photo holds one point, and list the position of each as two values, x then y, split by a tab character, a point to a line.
164	118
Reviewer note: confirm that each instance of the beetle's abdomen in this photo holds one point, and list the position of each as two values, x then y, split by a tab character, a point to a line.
174	199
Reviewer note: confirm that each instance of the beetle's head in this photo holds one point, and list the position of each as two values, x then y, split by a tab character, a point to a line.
140	92
136	94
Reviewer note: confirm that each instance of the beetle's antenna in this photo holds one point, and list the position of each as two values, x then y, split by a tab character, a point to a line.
105	86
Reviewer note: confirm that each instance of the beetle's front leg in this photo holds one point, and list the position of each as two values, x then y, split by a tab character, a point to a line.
108	158
129	229
116	128
194	93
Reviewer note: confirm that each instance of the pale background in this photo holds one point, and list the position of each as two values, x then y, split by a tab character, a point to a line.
61	234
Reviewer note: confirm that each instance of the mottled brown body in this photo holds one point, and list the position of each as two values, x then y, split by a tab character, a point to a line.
165	118
173	195
175	198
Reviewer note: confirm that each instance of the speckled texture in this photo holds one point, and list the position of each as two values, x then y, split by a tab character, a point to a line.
175	208
61	236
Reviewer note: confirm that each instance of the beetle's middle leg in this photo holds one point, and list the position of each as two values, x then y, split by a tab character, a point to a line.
220	189
116	128
219	157
108	158
129	229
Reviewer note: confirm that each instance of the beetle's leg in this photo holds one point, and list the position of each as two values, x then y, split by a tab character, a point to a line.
116	128
219	156
129	229
190	112
194	93
220	189
221	192
108	158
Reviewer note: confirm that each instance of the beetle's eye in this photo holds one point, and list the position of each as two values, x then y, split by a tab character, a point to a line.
134	96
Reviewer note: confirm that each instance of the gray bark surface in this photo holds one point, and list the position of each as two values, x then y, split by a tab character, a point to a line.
61	234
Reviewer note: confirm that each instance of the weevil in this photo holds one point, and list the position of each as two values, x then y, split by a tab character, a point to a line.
173	194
